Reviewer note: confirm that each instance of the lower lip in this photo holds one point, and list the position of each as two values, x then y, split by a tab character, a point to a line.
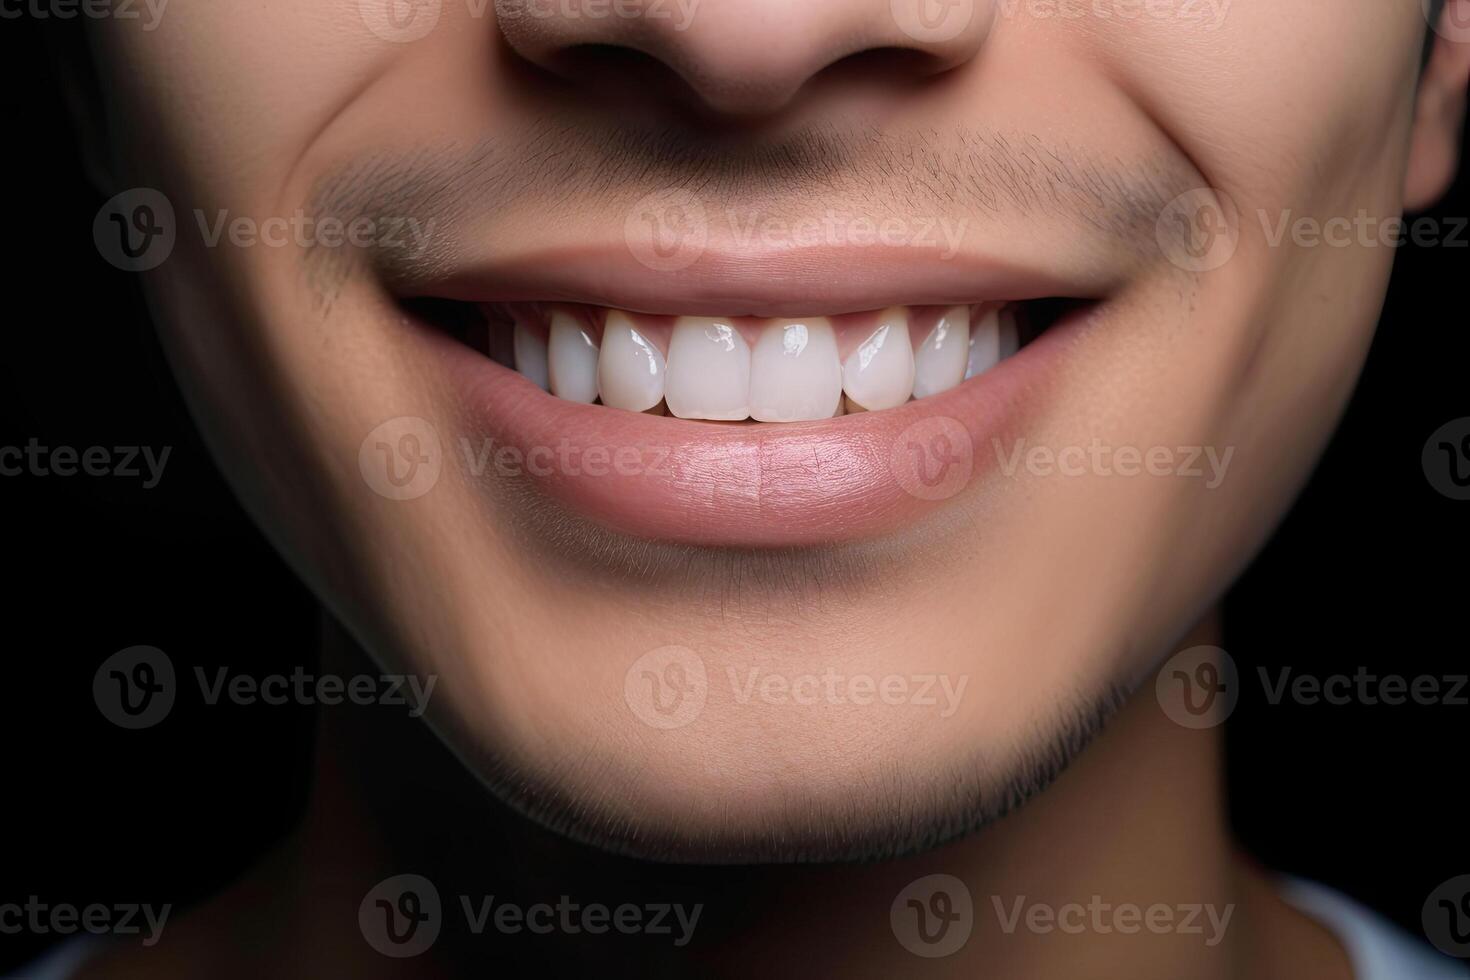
750	485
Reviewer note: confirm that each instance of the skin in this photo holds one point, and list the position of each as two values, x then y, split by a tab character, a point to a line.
1054	597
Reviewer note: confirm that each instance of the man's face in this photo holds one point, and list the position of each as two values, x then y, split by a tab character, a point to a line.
766	638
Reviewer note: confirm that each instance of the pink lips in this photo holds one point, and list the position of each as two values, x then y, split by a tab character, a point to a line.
746	485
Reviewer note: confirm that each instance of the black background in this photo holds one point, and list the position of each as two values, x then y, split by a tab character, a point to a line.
1365	571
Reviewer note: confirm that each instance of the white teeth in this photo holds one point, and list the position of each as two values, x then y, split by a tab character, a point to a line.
530	351
630	369
940	363
708	370
1010	336
571	360
984	344
794	372
880	373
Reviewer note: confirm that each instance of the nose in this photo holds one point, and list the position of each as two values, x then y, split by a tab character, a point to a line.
744	57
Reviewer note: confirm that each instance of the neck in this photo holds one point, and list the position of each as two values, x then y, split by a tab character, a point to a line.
1122	868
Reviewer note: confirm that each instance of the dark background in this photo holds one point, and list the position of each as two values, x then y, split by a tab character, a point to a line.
1365	571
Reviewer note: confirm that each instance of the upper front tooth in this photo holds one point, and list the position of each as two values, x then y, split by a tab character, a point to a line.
572	359
880	373
984	344
708	371
530	351
630	370
940	363
795	375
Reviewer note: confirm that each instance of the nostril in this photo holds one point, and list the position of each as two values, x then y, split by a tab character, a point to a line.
739	58
622	75
890	63
598	62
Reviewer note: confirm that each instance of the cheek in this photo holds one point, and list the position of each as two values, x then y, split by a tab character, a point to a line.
1269	97
226	98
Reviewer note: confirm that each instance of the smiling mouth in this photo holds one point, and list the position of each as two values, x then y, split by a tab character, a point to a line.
742	432
743	368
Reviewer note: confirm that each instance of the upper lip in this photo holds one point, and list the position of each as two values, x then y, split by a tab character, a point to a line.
770	283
